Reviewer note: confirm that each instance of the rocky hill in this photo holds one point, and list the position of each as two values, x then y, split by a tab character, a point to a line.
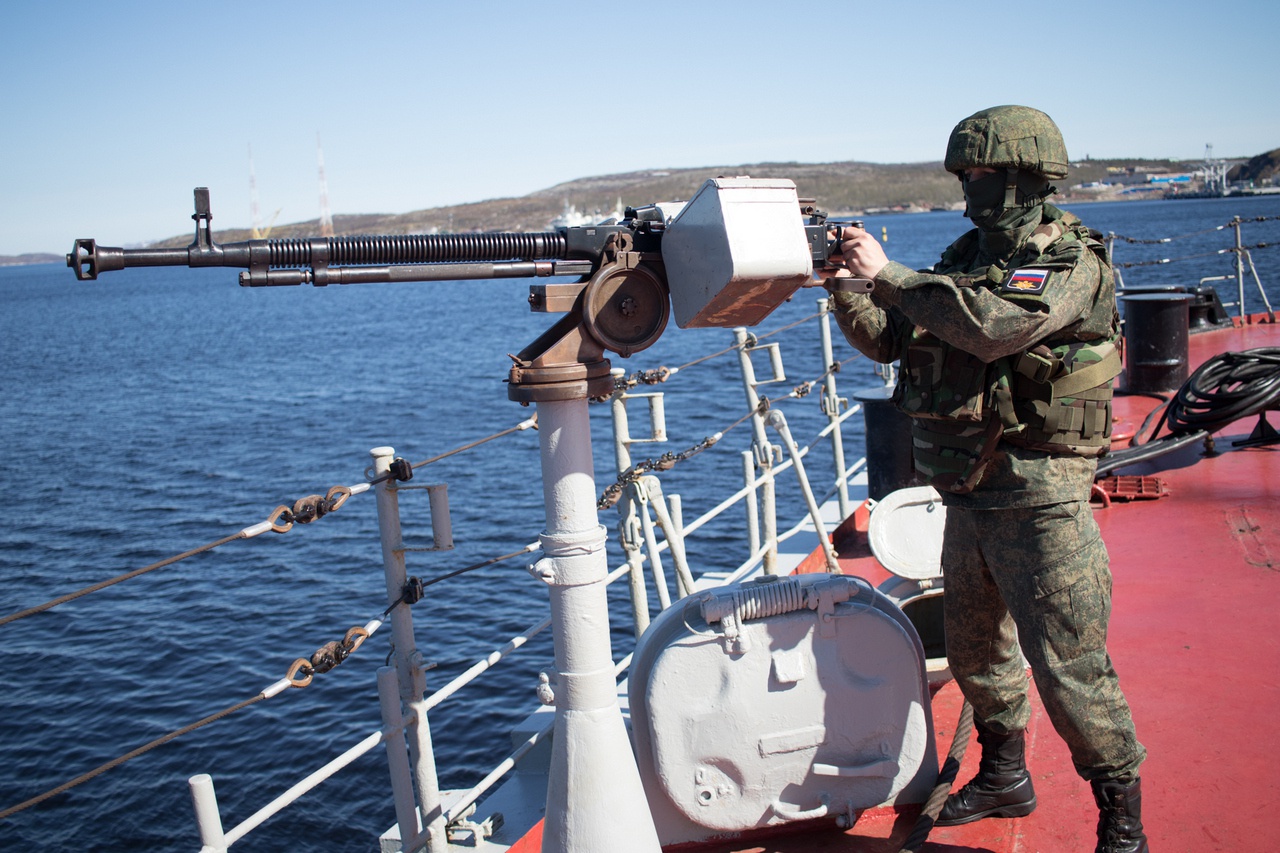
1258	170
839	188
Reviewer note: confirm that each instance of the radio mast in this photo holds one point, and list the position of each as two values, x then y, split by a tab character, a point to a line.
254	216
326	218
257	232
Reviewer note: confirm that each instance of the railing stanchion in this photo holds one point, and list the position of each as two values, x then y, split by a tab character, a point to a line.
652	487
752	501
207	817
1235	223
831	406
763	452
659	572
397	755
778	421
408	663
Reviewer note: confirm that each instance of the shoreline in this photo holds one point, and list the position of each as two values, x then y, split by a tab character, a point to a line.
37	258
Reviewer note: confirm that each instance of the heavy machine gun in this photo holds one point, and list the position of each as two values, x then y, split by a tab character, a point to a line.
727	257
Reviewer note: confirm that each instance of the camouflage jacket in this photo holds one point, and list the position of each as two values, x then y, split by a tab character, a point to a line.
989	313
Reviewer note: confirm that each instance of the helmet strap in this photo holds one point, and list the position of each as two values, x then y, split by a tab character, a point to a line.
1010	188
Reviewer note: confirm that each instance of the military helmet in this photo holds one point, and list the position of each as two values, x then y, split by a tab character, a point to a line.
1008	137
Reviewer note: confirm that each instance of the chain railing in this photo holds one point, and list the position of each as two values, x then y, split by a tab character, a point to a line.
1240	251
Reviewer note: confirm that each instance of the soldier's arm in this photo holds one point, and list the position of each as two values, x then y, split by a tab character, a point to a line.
983	322
874	331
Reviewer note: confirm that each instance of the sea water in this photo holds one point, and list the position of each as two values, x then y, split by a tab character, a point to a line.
156	410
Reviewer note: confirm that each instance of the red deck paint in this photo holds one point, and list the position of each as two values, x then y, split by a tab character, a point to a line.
1195	639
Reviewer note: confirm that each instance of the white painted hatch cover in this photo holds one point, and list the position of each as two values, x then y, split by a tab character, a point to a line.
905	532
778	700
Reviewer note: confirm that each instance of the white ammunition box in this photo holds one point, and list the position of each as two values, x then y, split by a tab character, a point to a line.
736	252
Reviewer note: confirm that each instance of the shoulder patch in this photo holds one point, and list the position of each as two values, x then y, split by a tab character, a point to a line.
1027	280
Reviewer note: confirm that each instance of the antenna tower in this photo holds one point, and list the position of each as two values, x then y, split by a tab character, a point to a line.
326	218
257	232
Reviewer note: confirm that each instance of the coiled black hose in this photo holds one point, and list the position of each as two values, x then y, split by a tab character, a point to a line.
1223	390
1143	452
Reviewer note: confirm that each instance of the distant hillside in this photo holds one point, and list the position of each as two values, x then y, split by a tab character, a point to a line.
24	260
1259	169
838	188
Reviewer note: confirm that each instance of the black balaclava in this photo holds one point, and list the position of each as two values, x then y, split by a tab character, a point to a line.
1006	206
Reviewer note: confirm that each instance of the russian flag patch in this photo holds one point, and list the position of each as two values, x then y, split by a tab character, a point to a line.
1029	280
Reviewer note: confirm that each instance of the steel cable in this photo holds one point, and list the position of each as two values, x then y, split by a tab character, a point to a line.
613	493
1144	452
72	596
116	762
1226	388
300	675
304	511
529	423
1162	261
1233	223
782	329
282	520
751	342
412	593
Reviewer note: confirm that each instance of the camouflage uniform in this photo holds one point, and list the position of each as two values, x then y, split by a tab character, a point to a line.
1022	554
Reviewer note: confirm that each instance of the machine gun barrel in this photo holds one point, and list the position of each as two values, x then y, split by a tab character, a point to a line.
360	259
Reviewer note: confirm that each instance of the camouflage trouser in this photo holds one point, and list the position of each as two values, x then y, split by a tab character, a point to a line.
1045	570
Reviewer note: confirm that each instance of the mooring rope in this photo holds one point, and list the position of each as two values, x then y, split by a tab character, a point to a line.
942	788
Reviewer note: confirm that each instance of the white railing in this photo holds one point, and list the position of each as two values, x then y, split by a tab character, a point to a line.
422	814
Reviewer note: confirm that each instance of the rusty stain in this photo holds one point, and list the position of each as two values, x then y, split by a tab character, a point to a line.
1250	536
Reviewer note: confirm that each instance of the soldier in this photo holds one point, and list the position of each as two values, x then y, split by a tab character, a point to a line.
1007	350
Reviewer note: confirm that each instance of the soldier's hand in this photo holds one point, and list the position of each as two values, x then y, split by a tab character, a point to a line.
863	256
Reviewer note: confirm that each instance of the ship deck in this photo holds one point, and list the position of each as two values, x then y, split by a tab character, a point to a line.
1196	583
1192	635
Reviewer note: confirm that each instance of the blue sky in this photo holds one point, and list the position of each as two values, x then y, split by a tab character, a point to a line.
112	112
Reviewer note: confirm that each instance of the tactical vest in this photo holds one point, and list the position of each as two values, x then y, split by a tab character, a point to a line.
1055	397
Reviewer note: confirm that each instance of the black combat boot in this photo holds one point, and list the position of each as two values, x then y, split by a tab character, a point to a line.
1002	787
1119	817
